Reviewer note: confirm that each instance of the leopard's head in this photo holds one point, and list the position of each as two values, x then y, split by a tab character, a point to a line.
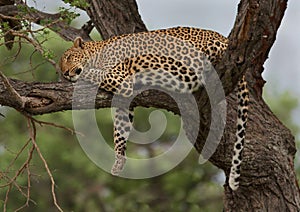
73	60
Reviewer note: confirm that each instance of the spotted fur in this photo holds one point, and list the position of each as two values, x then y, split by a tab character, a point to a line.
173	59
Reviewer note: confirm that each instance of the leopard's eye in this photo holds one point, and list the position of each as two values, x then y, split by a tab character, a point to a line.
78	71
66	73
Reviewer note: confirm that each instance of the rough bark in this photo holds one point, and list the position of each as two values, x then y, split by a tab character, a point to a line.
268	181
115	17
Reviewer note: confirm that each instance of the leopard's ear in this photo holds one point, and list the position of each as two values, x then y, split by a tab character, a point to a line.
78	43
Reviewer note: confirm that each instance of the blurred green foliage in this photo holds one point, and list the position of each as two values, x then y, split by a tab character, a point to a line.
283	104
80	184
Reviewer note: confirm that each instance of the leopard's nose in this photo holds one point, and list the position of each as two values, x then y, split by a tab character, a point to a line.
78	71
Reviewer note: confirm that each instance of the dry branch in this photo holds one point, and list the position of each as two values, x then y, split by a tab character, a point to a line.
32	132
58	25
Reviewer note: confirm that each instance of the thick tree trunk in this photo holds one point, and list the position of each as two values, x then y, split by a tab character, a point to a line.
268	181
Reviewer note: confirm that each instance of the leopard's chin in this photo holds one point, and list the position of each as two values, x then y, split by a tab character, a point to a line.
72	78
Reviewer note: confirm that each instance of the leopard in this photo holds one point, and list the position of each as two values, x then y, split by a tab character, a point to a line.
174	59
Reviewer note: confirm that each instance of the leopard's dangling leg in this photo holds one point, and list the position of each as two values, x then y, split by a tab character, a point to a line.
243	98
122	127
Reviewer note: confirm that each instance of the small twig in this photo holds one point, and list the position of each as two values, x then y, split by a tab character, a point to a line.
28	178
30	153
17	156
13	58
41	123
31	126
35	44
6	198
12	180
9	17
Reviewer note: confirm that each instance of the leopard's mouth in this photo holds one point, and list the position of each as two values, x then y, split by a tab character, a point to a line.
72	78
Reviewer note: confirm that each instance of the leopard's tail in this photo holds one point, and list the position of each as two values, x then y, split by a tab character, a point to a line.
243	101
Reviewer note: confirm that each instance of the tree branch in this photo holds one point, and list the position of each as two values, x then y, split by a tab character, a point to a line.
53	21
20	101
